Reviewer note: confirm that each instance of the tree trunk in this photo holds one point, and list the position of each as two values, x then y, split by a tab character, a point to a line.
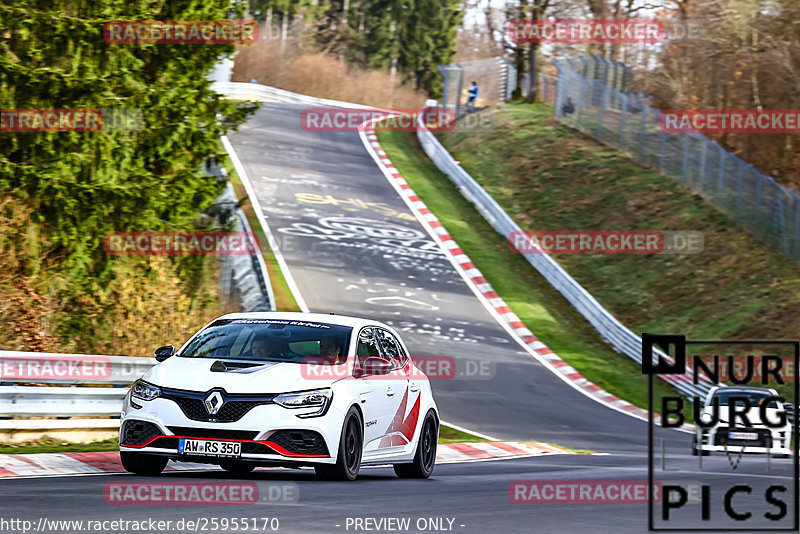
284	29
533	73
392	80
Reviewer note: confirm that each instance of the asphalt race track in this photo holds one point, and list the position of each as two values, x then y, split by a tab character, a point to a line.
474	495
353	248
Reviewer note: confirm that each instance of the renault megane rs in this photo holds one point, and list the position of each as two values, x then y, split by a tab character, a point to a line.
286	389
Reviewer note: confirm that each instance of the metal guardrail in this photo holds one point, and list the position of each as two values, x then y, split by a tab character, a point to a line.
38	401
244	278
621	338
67	368
262	93
17	367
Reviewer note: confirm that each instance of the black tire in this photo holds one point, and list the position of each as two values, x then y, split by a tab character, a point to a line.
696	451
351	447
143	464
425	458
237	467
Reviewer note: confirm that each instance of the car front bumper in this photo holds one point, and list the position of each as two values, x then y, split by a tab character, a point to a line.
269	433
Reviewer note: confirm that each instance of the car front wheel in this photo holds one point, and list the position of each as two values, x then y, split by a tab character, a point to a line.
143	464
696	450
351	445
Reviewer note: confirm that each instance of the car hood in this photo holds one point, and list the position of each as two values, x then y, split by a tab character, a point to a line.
196	374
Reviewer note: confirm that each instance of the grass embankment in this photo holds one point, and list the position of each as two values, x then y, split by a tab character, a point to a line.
550	177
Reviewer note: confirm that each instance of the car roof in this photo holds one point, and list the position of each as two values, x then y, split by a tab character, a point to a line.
742	388
342	320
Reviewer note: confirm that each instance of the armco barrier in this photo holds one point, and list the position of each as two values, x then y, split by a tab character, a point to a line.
38	401
18	367
58	368
264	93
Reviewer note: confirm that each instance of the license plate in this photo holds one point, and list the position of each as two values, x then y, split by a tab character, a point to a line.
749	436
209	448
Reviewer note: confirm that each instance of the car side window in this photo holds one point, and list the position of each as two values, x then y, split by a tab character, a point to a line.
367	346
392	350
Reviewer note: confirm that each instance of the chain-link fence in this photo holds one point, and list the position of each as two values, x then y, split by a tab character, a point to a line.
496	79
625	121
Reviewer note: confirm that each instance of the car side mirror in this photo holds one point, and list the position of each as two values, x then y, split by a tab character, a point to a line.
162	353
376	366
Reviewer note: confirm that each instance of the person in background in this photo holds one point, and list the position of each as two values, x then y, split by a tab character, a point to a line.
473	96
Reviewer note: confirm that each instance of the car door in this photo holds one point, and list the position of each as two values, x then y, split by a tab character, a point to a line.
401	393
374	403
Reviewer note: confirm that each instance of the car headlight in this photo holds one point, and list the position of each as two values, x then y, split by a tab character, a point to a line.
145	391
316	398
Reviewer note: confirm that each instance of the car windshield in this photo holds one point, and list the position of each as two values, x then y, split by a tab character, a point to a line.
275	340
755	398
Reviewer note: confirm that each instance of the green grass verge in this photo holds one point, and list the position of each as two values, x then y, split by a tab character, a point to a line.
543	310
451	435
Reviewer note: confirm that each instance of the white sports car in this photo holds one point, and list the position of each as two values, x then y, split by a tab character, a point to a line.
287	389
764	412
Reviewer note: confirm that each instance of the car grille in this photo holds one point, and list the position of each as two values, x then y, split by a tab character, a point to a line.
212	433
235	405
764	437
300	441
135	432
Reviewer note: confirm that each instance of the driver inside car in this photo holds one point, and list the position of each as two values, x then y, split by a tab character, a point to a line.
262	347
329	348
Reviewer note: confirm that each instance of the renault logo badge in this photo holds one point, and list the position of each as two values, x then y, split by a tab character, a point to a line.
213	402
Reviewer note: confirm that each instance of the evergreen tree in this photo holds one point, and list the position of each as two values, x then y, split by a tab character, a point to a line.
85	185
